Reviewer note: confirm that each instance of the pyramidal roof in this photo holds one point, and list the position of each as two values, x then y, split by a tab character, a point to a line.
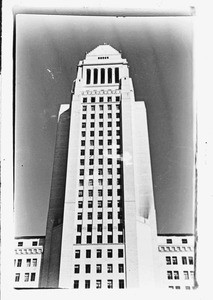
103	50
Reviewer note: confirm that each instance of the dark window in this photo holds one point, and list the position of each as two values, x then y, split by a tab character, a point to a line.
90	182
101	116
84	108
92	124
101	99
90	193
109	133
109	192
190	260
17	277
100	161
79	216
92	99
176	275
168	260
93	107
102	75
109	239
119	203
109	203
89	227
100	133
116	75
184	241
100	142
87	268
81	172
76	268
109	268
99	239
99	253
109	115
118	171
79	228
119	192
84	116
109	284
120	268
81	162
90	171
109	215
90	204
82	143
80	193
109	227
98	268
118	124
109	181
100	151
120	227
83	125
92	117
117	98
19	262
110	171
101	107
87	284
89	215
109	75
109	124
100	124
76	284
100	193
88	77
95	76
184	260
109	253
80	204
99	227
109	106
109	142
81	182
121	284
109	99
117	115
120	253
78	239
77	253
120	239
100	171
174	260
169	241
169	274
89	239
88	253
92	133
84	100
99	215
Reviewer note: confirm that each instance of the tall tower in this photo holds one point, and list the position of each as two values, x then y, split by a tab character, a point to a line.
109	237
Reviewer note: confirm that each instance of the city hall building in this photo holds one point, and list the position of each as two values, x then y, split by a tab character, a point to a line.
101	225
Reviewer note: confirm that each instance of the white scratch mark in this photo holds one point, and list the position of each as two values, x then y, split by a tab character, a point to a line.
51	73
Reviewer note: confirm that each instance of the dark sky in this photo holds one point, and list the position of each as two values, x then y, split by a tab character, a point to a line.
159	53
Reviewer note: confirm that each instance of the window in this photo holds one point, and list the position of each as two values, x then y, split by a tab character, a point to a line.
100	181
76	284
109	239
109	124
101	107
87	268
190	260
89	227
174	260
89	239
109	106
100	142
118	181
77	253
186	274
109	171
120	253
87	284
100	151
109	99
109	268
95	79
109	161
118	132
91	143
176	275
98	284
109	284
76	269
88	77
79	228
91	152
92	124
116	75
80	204
99	253
101	124
33	275
84	125
109	215
90	193
84	108
81	182
101	116
100	133
120	227
26	277
109	253
118	142
120	238
99	239
121	268
81	162
28	262
84	100
102	75
99	227
88	253
187	287
192	274
92	117
169	274
20	244
109	227
100	171
109	151
100	203
82	143
84	116
118	171
109	203
99	215
119	203
109	192
184	241
90	182
101	99
92	99
177	287
17	277
78	239
80	193
109	181
100	161
184	260
92	107
89	215
92	133
90	171
34	262
79	216
109	115
98	268
19	262
168	260
117	98
117	115
90	203
100	193
109	142
118	124
121	284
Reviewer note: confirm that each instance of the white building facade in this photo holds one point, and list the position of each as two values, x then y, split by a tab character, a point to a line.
109	237
27	261
177	258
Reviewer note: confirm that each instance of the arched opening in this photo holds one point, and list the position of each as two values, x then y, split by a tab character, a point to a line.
116	75
109	75
95	80
88	76
102	75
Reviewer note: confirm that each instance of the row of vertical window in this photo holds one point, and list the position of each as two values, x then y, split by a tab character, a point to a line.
100	133
100	99
100	161
101	142
34	243
99	203
174	260
100	115
99	239
87	284
175	274
100	124
81	171
99	268
99	253
177	287
184	241
100	193
100	151
101	107
99	215
27	277
29	262
99	76
99	227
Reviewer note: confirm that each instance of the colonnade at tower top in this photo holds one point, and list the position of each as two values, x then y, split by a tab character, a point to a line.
102	75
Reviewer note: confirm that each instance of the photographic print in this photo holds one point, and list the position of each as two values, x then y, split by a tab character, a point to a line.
104	152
